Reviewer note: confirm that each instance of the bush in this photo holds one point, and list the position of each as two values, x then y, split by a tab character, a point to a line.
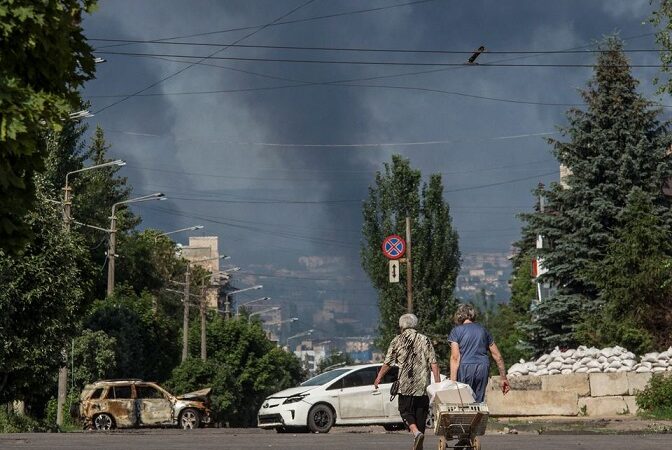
656	399
69	423
15	423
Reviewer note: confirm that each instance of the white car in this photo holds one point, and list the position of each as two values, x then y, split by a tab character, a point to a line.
343	396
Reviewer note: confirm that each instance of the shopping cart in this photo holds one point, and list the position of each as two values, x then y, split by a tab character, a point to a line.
461	421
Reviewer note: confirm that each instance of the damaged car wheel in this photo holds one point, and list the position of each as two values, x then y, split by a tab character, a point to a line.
190	419
103	422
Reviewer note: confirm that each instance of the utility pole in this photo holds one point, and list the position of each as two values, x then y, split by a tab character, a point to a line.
409	269
204	351
227	307
63	370
111	253
185	319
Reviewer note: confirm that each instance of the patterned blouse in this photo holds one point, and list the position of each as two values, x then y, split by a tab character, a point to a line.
413	353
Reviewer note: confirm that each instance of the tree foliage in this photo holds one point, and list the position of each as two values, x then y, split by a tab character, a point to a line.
633	278
243	368
94	357
397	193
146	341
147	261
44	60
662	18
41	303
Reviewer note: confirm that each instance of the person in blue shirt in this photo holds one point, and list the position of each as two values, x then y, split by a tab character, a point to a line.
469	360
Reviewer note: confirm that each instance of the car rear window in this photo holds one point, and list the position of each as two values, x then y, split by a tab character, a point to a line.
119	392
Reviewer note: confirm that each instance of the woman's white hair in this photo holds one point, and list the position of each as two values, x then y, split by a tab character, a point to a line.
408	321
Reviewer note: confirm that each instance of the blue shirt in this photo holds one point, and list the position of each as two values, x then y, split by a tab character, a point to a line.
474	341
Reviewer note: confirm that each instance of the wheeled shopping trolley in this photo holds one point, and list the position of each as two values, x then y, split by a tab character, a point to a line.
462	422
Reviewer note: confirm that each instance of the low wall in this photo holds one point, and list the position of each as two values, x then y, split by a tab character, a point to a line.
594	394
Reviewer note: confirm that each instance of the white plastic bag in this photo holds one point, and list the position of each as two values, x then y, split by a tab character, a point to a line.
447	385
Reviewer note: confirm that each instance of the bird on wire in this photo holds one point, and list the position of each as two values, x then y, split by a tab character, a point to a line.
477	53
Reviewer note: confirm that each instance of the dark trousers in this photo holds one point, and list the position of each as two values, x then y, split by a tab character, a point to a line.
476	376
414	409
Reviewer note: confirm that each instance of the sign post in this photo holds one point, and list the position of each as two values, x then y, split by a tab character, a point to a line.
394	247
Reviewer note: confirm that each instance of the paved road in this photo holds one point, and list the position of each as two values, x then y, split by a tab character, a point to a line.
364	439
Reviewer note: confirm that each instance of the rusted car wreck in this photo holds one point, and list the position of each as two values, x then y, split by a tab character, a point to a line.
109	404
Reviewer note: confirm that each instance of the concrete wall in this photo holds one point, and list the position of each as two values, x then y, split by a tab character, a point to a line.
595	394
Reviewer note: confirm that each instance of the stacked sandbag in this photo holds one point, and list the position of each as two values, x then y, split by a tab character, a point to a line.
655	362
581	360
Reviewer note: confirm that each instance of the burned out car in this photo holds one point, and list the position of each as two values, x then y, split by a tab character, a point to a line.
109	404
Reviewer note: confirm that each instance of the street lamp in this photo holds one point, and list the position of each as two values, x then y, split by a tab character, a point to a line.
280	322
67	201
263	311
262	299
113	235
83	114
305	333
194	228
227	300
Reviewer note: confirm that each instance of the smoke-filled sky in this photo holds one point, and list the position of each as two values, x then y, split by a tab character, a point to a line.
274	154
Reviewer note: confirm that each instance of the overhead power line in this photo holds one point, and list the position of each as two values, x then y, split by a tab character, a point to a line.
346	145
344	201
301	83
370	49
368	63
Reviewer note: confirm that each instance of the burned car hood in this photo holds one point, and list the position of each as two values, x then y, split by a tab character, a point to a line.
200	395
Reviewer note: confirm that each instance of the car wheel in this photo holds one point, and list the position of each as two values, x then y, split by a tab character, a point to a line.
394	426
103	422
320	419
190	419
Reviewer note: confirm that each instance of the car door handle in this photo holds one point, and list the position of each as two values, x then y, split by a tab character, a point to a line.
377	392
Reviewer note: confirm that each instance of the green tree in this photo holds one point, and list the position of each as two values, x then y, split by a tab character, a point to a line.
662	18
41	303
94	357
634	283
44	60
148	261
146	341
243	368
615	145
396	194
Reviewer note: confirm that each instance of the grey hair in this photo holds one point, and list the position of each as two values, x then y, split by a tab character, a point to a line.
408	321
465	311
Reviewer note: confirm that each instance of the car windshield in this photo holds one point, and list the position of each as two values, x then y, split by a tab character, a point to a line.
325	377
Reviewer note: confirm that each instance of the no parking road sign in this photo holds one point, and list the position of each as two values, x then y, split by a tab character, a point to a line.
394	247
